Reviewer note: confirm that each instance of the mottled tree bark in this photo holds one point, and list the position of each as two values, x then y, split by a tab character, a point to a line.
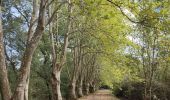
33	20
56	83
71	94
5	87
80	87
21	91
71	91
58	65
86	88
81	74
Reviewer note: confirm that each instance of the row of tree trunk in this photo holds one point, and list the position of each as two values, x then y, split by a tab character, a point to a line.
21	91
36	29
84	75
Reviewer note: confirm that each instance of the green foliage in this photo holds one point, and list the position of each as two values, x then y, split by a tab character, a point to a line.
104	30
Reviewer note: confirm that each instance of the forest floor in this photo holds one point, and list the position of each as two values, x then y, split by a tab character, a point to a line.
100	95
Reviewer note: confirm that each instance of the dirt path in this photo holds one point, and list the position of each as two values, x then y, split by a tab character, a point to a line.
100	95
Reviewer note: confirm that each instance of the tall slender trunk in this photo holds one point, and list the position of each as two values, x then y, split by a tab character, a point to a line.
86	88
33	20
5	87
71	95
56	93
81	74
21	91
56	71
80	87
30	35
58	65
71	91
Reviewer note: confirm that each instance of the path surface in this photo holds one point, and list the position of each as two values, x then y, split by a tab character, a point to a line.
100	95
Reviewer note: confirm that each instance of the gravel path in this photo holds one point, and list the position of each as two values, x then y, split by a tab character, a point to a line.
100	95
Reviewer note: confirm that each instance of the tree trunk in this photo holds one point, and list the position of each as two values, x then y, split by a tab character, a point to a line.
80	74
56	93
92	88
86	89
80	88
21	91
71	91
72	83
32	21
57	67
5	87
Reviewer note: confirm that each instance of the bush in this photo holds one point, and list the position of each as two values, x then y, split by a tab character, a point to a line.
130	91
161	91
135	91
